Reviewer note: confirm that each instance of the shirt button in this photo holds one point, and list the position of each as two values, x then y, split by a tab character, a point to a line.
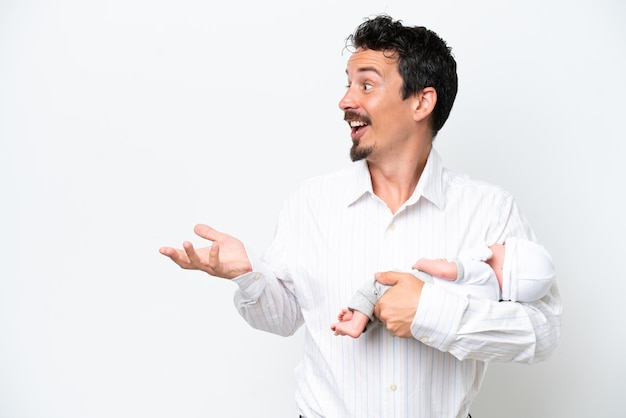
256	276
393	388
391	227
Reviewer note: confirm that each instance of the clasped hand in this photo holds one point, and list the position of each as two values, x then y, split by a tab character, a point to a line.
397	306
226	257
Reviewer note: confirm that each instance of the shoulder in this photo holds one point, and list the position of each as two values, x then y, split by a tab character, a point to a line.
484	205
329	187
341	180
466	187
341	175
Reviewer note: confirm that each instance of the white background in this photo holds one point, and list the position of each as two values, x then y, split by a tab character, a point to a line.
125	122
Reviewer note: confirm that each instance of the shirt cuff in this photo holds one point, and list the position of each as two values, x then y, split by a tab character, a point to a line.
251	284
438	317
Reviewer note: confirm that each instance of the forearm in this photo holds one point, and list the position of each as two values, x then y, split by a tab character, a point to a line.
266	303
441	268
486	330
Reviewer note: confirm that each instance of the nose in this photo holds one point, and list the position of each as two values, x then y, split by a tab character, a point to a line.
348	101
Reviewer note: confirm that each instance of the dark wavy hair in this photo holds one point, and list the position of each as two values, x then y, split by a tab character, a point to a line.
424	59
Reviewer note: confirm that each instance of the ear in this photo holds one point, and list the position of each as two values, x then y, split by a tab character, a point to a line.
425	103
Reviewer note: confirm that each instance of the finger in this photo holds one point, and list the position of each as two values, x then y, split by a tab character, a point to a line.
214	255
377	311
177	256
192	255
206	232
168	251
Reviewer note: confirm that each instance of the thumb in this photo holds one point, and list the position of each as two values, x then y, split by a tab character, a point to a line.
389	278
206	232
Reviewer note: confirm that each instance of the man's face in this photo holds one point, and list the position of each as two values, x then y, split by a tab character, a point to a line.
380	120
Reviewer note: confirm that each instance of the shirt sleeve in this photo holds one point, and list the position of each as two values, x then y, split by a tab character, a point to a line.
474	328
266	296
481	329
266	303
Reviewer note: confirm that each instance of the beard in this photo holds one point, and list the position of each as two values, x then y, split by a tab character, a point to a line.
357	153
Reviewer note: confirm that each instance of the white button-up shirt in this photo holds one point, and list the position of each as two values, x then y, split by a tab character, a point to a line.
333	234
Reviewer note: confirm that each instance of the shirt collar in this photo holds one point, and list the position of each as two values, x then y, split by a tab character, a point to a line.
429	186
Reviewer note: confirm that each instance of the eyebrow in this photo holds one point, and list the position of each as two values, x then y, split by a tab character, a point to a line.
367	69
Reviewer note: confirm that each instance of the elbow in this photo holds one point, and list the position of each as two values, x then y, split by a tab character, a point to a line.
547	337
545	346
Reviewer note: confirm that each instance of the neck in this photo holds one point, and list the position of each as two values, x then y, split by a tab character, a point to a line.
394	180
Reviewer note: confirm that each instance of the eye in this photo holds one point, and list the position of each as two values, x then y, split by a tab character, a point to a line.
367	86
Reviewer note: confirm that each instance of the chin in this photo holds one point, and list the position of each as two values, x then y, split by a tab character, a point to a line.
357	153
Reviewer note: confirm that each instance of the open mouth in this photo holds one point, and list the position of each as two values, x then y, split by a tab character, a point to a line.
356	125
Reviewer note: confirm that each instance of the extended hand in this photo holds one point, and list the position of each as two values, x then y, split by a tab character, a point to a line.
226	257
397	307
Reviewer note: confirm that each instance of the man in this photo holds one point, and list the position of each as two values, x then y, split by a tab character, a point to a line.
395	204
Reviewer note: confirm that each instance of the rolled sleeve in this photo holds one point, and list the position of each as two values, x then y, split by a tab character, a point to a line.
433	325
474	328
251	286
266	302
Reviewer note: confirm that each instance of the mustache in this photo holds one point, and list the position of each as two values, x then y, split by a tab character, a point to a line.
351	115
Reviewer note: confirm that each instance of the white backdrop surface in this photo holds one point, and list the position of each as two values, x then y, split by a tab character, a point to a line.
124	123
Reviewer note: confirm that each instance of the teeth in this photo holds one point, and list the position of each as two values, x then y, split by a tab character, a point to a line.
356	123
